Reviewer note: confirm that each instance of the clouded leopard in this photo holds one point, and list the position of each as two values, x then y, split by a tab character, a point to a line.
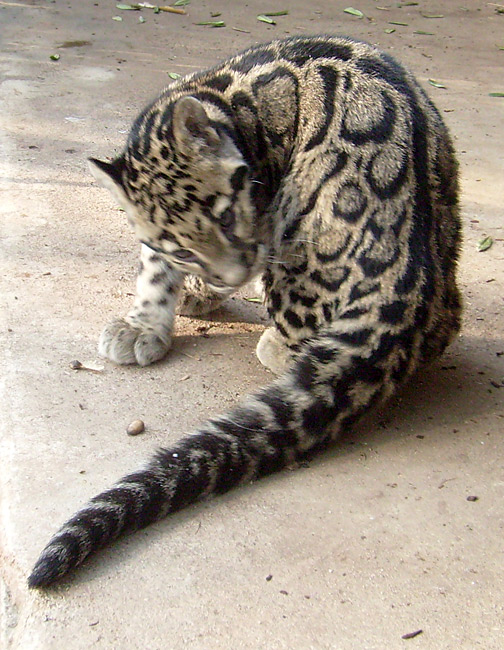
319	164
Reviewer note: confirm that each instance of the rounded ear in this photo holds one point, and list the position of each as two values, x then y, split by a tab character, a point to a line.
191	126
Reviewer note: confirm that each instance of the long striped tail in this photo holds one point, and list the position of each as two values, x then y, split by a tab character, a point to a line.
275	427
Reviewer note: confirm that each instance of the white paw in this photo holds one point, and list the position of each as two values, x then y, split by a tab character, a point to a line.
272	351
125	343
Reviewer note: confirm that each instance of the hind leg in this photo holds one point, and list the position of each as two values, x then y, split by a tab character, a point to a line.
293	323
273	351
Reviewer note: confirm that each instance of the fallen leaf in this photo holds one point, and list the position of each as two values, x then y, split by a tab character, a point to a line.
213	23
420	31
125	7
485	243
397	22
436	84
266	19
496	94
276	13
353	12
55	57
174	75
390	30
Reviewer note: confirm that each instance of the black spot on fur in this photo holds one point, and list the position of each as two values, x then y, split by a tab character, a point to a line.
328	283
378	133
293	319
318	49
237	180
252	58
393	313
329	77
306	301
355	338
219	82
280	406
275	301
317	417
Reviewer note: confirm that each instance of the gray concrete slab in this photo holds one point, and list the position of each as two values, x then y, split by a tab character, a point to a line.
374	539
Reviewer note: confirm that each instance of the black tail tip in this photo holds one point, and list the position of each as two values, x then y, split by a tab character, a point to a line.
42	576
51	565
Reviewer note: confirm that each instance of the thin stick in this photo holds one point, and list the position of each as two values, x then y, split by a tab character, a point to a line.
173	10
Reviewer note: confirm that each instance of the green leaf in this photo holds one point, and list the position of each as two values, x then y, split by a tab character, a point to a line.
118	18
353	12
174	75
390	30
276	13
181	3
55	57
433	15
436	84
125	7
420	31
266	19
496	94
485	243
254	300
397	22
215	14
141	19
213	23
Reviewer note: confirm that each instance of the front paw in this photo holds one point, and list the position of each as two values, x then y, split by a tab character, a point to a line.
125	343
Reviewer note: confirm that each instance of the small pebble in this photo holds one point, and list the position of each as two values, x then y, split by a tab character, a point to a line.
472	498
135	427
75	364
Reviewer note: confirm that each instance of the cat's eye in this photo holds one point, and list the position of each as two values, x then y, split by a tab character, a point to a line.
184	255
227	220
